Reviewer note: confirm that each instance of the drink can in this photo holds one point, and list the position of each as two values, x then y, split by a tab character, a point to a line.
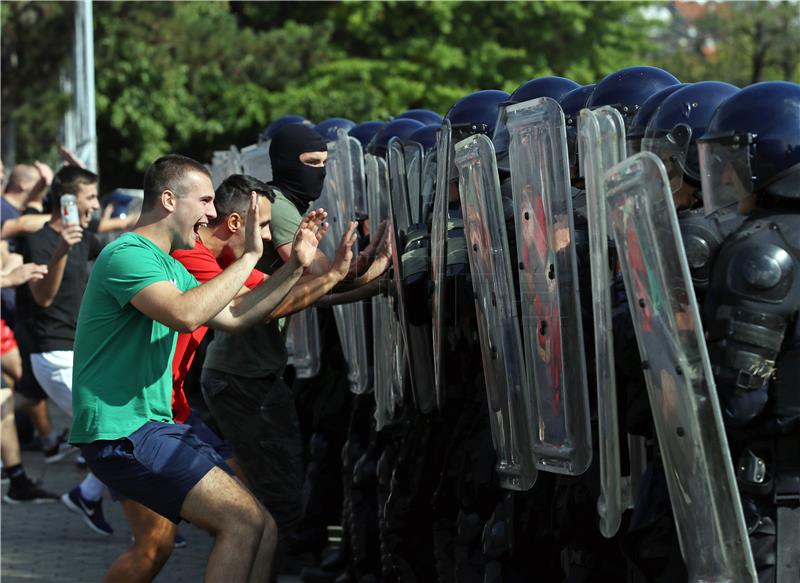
69	210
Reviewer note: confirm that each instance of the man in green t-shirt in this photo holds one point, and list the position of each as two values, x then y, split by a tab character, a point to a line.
137	299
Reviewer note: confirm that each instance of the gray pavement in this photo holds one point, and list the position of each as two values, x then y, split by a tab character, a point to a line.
47	543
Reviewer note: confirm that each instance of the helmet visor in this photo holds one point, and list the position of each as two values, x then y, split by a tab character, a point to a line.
673	149
500	137
726	175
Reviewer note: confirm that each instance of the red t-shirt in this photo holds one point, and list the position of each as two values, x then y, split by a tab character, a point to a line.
201	263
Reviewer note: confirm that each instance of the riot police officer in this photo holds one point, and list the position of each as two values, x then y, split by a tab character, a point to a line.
329	128
750	159
672	134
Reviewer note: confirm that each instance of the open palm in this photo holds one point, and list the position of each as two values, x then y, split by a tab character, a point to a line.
309	234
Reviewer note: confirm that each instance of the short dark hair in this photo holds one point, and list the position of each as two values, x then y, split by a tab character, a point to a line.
168	173
68	179
233	195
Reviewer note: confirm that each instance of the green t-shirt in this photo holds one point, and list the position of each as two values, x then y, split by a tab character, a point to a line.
283	226
122	373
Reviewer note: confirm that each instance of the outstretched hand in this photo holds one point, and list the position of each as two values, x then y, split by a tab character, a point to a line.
23	274
385	245
374	239
344	253
312	228
252	234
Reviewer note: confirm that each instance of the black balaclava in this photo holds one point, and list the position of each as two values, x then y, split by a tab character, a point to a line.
300	183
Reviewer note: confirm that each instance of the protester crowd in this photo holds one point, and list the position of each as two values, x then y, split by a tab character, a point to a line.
166	346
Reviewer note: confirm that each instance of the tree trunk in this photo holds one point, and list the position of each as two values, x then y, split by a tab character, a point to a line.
760	46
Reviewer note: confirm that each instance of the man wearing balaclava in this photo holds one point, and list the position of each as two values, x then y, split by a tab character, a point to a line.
298	154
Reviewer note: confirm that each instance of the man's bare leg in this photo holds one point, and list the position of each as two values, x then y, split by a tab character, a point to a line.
154	539
221	505
40	417
262	566
11	363
9	442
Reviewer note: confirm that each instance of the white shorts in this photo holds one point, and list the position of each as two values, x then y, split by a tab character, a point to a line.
53	370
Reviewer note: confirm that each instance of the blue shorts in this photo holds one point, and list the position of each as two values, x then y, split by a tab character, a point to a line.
157	465
205	433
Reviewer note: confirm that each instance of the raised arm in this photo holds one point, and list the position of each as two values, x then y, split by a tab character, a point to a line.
365	292
380	263
187	311
313	287
319	266
256	305
44	291
23	225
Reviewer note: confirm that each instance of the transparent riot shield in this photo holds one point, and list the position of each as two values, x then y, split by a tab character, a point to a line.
352	180
601	138
359	178
414	157
400	218
387	339
303	343
338	199
507	387
680	383
256	162
398	186
427	187
411	268
548	281
444	153
223	164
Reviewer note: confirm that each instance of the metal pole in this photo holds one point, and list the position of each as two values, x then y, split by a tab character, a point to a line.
80	132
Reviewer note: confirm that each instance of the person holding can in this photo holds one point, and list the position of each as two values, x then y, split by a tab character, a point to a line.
48	308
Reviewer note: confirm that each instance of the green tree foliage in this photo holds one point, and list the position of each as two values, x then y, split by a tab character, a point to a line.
428	54
34	49
739	42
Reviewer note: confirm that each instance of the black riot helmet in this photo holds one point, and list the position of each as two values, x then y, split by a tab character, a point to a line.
681	118
425	116
571	104
476	113
628	89
282	121
365	131
752	146
398	128
552	87
639	121
329	128
425	136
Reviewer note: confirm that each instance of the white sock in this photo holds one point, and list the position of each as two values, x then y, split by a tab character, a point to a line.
91	488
